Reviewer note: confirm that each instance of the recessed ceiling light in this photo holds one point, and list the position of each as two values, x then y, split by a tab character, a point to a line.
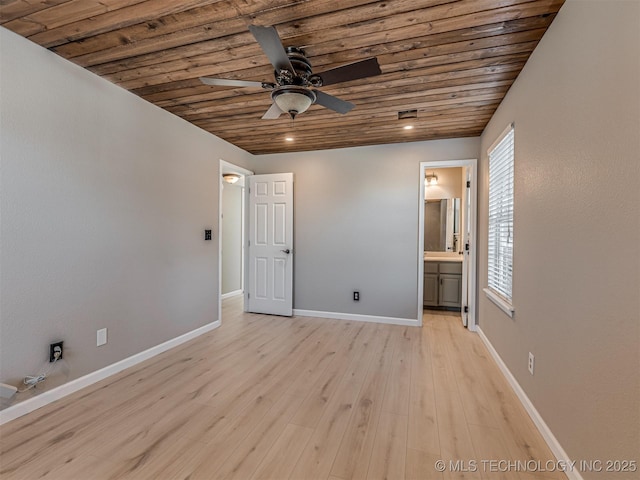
408	127
289	139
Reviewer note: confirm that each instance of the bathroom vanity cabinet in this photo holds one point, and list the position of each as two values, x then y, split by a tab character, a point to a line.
442	284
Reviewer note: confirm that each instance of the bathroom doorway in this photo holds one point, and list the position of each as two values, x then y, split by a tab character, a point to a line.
447	238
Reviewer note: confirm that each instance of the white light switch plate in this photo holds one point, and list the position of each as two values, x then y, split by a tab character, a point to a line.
101	337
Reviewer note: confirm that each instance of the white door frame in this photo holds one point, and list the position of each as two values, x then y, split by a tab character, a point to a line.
226	167
472	293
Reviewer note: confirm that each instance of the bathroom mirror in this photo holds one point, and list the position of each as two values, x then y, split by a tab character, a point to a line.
442	225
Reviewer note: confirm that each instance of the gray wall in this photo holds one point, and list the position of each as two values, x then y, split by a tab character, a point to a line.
231	237
356	223
576	281
105	199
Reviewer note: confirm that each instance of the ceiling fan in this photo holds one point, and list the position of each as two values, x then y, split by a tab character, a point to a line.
295	87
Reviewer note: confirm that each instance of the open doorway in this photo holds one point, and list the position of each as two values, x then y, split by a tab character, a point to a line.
232	231
447	233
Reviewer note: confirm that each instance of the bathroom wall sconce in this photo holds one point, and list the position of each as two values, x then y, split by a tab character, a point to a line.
431	180
231	177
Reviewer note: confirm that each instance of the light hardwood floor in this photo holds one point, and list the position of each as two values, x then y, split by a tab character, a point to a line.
274	398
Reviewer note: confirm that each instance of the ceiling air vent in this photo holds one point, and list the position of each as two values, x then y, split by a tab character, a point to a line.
407	114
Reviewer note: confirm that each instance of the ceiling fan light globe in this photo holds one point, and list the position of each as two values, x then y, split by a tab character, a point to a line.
293	100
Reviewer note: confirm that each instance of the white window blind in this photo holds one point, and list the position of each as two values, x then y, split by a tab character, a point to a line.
501	157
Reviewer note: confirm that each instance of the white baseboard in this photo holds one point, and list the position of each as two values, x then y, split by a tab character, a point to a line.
357	318
543	428
235	293
68	388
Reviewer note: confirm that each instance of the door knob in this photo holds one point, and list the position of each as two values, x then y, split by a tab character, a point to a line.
287	251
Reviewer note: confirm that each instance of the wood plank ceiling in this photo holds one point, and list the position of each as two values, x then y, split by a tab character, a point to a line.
451	60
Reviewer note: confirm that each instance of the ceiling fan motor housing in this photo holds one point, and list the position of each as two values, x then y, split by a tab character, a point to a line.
292	94
300	64
302	74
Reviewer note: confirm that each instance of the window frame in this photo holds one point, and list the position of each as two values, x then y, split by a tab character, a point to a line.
500	213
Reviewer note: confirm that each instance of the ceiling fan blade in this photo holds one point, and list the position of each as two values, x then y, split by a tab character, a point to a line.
352	71
273	112
223	82
270	42
333	103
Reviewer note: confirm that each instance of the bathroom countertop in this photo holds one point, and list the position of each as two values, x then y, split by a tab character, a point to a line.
443	258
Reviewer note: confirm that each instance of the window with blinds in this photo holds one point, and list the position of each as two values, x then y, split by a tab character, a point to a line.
501	156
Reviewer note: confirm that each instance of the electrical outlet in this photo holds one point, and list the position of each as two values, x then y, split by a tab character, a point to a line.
356	296
531	365
52	351
7	391
101	337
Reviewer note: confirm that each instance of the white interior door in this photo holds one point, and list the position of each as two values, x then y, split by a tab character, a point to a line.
271	244
466	246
